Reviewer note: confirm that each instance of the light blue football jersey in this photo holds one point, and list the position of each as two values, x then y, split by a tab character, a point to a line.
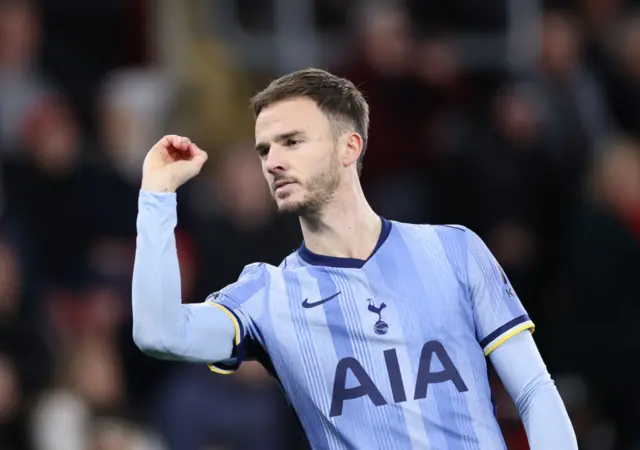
387	353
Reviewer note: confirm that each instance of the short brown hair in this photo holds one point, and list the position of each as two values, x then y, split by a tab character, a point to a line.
336	97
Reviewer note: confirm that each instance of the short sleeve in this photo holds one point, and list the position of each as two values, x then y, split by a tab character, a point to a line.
233	300
498	312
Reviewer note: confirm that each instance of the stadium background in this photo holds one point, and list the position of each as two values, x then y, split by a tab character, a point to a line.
517	118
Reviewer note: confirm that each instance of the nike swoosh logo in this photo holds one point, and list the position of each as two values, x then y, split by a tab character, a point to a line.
306	303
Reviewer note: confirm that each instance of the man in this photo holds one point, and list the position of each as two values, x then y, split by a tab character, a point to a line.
376	330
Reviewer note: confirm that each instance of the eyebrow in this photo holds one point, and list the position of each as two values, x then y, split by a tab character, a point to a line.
262	146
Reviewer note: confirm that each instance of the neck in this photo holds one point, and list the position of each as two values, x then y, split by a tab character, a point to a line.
347	227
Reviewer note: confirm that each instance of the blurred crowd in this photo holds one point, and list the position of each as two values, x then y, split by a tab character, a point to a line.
543	161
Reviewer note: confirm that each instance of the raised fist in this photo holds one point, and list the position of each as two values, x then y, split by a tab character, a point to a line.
170	163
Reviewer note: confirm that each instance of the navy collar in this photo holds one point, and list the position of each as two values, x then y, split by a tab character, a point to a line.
346	263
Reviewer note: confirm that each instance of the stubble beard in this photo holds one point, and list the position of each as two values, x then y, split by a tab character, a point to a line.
320	191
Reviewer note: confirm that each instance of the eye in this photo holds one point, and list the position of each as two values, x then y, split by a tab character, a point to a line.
292	142
262	151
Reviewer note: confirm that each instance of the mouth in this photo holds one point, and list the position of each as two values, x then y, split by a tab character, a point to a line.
280	184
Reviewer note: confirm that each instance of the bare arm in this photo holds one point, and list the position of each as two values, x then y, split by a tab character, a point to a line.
162	326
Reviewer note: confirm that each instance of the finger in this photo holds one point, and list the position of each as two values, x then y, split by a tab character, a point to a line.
184	143
180	143
168	140
175	141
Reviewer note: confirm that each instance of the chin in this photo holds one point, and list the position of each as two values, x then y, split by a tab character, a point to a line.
288	201
289	206
297	205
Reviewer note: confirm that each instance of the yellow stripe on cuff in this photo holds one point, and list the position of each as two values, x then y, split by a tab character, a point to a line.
508	335
236	326
218	370
236	339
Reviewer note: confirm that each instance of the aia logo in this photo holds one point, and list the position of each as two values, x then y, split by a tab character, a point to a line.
350	368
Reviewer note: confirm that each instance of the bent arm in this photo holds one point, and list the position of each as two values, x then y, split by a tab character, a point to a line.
525	377
162	326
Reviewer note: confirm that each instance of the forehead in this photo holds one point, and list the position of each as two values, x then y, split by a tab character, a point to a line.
295	114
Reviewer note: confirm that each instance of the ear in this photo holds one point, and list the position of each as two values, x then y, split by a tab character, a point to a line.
352	149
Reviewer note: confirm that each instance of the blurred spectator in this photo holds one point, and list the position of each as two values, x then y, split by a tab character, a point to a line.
49	189
444	95
90	387
623	76
96	311
135	105
599	16
599	21
195	410
13	434
18	337
379	63
603	265
499	186
575	120
84	41
576	117
121	435
21	82
215	90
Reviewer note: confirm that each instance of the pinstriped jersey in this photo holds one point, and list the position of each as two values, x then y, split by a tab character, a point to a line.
384	353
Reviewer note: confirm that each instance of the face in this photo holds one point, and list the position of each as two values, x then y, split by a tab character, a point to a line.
19	35
301	158
516	116
560	45
52	135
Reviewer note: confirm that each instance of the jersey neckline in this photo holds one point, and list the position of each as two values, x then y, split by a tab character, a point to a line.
346	263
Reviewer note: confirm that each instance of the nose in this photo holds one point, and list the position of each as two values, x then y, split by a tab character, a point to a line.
275	162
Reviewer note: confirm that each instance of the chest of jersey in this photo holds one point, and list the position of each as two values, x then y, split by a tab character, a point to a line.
349	307
343	334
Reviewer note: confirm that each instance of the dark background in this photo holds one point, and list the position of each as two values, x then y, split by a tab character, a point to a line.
519	119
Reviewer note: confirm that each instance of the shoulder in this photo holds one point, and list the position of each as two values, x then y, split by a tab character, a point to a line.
292	261
257	277
438	243
444	233
253	281
253	273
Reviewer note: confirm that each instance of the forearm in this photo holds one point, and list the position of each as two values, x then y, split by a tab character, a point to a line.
544	416
525	377
162	326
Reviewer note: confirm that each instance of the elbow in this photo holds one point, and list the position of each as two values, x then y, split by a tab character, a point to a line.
145	343
540	385
156	343
149	343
